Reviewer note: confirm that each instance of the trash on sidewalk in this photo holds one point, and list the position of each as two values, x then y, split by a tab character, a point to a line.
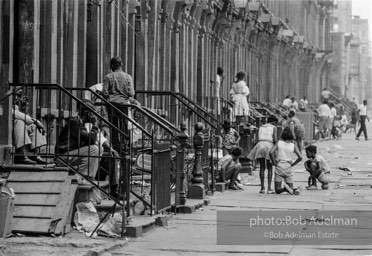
86	217
349	169
112	226
346	174
338	147
87	220
344	169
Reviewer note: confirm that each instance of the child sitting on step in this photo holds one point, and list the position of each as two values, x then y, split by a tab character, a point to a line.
230	137
281	158
318	169
230	168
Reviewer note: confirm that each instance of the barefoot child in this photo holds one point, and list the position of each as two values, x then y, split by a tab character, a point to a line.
266	140
230	168
318	169
283	163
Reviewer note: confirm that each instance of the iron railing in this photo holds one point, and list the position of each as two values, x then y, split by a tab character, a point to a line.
176	108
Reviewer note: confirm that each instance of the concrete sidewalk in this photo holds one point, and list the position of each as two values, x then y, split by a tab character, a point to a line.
195	234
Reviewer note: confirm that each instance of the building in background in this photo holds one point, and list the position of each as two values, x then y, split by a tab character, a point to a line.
360	57
341	39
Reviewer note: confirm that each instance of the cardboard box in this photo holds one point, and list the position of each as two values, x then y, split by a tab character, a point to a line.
6	215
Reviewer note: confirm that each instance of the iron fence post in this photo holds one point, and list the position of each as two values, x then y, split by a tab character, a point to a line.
197	189
182	138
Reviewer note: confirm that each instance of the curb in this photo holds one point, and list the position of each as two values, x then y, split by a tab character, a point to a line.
159	221
105	249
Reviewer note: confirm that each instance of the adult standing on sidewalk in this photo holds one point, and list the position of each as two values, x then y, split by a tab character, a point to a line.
332	116
362	112
324	113
239	95
219	79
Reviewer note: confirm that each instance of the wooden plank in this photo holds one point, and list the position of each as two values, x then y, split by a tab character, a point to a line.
36	187
37	176
30	225
58	214
42	199
34	211
65	207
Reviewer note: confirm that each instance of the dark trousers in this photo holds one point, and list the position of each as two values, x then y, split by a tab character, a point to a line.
363	127
118	141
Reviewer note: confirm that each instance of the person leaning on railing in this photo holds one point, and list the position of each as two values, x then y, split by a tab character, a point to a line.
76	146
118	89
28	133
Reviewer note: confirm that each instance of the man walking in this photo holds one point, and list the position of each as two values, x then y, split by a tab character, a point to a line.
362	111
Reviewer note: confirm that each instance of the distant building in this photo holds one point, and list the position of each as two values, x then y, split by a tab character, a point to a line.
360	56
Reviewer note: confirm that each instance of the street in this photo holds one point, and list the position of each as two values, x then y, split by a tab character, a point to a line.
195	234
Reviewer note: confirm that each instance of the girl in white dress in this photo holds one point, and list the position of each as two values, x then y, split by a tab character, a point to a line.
239	93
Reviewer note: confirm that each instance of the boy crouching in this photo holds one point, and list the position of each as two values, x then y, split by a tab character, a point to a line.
318	169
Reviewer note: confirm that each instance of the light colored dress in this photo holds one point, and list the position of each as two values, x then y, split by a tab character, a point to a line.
239	93
265	144
218	86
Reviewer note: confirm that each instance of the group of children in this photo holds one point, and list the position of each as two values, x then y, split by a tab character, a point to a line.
271	152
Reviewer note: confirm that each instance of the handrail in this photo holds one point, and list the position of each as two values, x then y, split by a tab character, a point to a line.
198	107
161	118
140	109
228	101
112	106
73	97
10	93
181	100
262	105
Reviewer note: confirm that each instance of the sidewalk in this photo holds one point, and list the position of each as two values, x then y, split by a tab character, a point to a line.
195	234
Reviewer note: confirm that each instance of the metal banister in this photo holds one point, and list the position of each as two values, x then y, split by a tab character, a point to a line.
180	99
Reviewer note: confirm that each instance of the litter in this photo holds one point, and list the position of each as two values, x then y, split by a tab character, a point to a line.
86	217
338	146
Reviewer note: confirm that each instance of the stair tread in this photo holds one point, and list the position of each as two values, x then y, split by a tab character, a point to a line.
37	167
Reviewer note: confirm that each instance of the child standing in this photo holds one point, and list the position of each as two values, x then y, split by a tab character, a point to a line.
267	137
318	169
283	162
230	138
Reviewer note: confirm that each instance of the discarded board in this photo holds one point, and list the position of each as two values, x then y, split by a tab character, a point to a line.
44	199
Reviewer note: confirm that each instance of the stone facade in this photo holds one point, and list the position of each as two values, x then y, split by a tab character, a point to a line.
168	45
